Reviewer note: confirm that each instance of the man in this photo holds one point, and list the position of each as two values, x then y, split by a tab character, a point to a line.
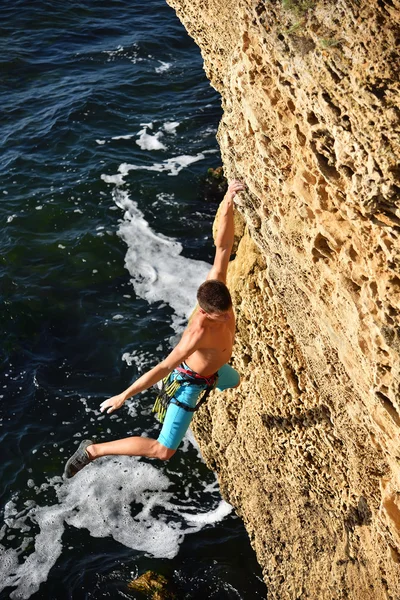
196	364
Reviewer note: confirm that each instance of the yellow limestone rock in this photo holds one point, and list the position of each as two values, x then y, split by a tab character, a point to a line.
308	448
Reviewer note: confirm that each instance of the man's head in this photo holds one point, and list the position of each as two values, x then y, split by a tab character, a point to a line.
213	297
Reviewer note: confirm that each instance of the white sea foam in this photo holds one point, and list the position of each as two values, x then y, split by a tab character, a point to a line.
131	53
177	163
123	137
140	359
121	498
159	272
164	66
174	165
210	130
117	179
214	516
166	198
170	126
150	142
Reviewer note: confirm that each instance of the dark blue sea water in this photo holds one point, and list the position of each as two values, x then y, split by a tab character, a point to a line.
107	130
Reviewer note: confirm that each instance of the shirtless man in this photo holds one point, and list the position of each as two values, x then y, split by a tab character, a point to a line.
203	352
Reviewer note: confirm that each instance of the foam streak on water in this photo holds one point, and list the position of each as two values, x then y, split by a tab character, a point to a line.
159	272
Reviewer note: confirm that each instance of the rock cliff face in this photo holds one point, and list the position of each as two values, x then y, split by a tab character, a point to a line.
308	448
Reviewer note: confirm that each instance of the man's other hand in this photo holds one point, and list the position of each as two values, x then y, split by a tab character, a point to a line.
234	187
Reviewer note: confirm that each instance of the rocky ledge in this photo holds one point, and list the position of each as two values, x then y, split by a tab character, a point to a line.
308	449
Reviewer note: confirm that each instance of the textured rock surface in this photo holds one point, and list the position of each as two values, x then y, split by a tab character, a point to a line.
308	449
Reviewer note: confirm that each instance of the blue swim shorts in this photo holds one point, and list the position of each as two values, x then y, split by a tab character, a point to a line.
177	419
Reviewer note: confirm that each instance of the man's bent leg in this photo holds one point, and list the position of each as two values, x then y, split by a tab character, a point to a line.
228	378
176	422
131	446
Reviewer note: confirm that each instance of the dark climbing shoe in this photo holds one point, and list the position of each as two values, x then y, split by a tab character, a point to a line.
78	460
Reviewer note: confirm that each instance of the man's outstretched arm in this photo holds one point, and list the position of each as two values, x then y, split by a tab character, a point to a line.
226	233
191	340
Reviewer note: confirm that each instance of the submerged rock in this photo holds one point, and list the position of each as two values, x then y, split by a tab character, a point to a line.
153	586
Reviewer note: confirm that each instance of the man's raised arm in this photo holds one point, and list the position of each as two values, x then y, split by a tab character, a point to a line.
226	233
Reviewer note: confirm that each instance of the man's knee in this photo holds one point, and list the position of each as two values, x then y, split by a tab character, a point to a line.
163	453
238	383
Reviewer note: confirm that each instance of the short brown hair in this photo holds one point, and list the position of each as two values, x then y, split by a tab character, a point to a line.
213	296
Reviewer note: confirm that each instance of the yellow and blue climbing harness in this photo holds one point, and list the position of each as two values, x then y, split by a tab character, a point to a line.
172	383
